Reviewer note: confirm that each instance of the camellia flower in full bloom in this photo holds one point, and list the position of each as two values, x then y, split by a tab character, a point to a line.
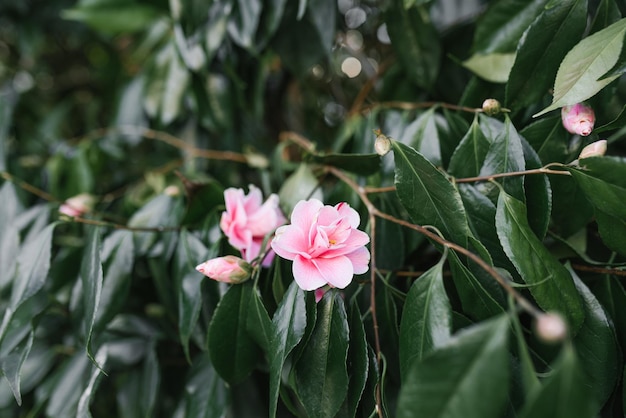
228	269
578	119
324	243
247	221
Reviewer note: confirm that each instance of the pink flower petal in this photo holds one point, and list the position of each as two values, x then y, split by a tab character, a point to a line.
289	241
346	211
252	201
266	218
306	274
305	213
337	271
360	259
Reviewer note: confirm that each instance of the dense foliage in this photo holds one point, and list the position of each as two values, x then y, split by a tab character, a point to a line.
488	257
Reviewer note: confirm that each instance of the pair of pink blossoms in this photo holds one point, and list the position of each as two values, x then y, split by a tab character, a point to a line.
322	240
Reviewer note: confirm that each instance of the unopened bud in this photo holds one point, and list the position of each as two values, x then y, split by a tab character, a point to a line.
595	149
491	107
578	119
382	145
551	328
172	191
77	205
228	269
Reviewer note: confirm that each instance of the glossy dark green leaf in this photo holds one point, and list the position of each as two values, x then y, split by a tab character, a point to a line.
358	360
205	394
426	318
113	17
390	237
564	394
477	293
428	195
91	278
259	324
321	377
443	384
506	155
538	193
301	185
580	73
232	350
549	281
289	323
9	233
530	382
364	164
416	42
190	252
161	211
423	136
601	180
617	123
596	345
470	154
138	394
118	258
551	35
548	139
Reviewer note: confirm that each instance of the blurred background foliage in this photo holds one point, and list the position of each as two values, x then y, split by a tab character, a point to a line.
124	98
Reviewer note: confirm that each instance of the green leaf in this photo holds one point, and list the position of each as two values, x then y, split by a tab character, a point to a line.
550	283
469	155
444	383
530	382
301	185
190	252
233	351
358	359
541	49
426	318
363	164
11	364
415	41
118	255
161	211
428	195
289	323
244	21
476	294
538	193
259	324
601	180
82	410
506	155
548	139
596	344
579	75
67	383
424	136
91	277
494	67
205	394
564	394
8	100
9	232
112	17
502	26
321	377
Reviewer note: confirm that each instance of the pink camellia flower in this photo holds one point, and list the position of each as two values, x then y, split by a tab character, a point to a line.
77	205
247	221
578	119
228	269
324	244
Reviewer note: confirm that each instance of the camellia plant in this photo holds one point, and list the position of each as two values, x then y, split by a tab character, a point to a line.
312	208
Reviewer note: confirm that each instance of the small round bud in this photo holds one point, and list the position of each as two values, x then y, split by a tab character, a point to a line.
551	328
491	107
595	149
172	191
227	269
578	119
382	144
77	205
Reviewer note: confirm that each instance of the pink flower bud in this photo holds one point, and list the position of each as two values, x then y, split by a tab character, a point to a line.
551	328
77	205
228	269
578	119
595	149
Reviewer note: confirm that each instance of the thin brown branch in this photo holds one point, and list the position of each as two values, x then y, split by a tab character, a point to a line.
417	105
125	227
29	187
600	270
542	170
523	303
